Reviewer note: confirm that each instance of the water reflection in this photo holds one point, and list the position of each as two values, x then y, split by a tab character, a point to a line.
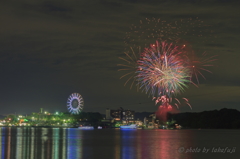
2	140
128	144
154	144
74	144
32	143
117	147
61	143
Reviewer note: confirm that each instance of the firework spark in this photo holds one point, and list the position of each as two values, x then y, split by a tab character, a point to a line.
166	105
150	30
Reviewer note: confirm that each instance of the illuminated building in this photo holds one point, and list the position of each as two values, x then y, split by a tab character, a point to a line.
120	114
150	122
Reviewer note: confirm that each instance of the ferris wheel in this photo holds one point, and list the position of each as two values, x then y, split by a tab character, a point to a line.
75	103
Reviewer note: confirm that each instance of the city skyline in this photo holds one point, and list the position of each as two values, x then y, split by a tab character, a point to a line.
51	49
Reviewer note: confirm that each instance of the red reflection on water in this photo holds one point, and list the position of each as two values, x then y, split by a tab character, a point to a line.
171	141
162	144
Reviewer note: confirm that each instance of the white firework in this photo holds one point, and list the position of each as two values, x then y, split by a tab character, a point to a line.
75	103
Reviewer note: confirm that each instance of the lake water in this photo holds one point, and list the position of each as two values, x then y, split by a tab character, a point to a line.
72	143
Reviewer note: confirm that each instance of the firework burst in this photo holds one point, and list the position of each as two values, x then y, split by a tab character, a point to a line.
166	67
162	70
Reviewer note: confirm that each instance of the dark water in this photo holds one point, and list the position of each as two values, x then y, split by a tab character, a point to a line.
70	143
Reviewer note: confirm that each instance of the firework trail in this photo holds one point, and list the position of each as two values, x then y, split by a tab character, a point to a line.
130	66
198	65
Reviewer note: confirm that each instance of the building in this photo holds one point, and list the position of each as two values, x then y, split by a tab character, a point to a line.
151	122
122	115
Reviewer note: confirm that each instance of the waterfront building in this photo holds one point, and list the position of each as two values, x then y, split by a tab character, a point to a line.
120	115
151	122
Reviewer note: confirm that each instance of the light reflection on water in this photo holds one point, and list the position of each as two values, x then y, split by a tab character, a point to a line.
70	143
156	144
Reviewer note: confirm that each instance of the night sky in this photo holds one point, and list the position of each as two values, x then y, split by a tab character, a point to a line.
50	49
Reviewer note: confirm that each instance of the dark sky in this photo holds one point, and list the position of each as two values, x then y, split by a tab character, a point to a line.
50	49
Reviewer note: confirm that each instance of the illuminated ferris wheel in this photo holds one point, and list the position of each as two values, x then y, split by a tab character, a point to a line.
75	103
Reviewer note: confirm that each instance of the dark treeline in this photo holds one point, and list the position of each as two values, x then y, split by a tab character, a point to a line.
90	116
215	119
